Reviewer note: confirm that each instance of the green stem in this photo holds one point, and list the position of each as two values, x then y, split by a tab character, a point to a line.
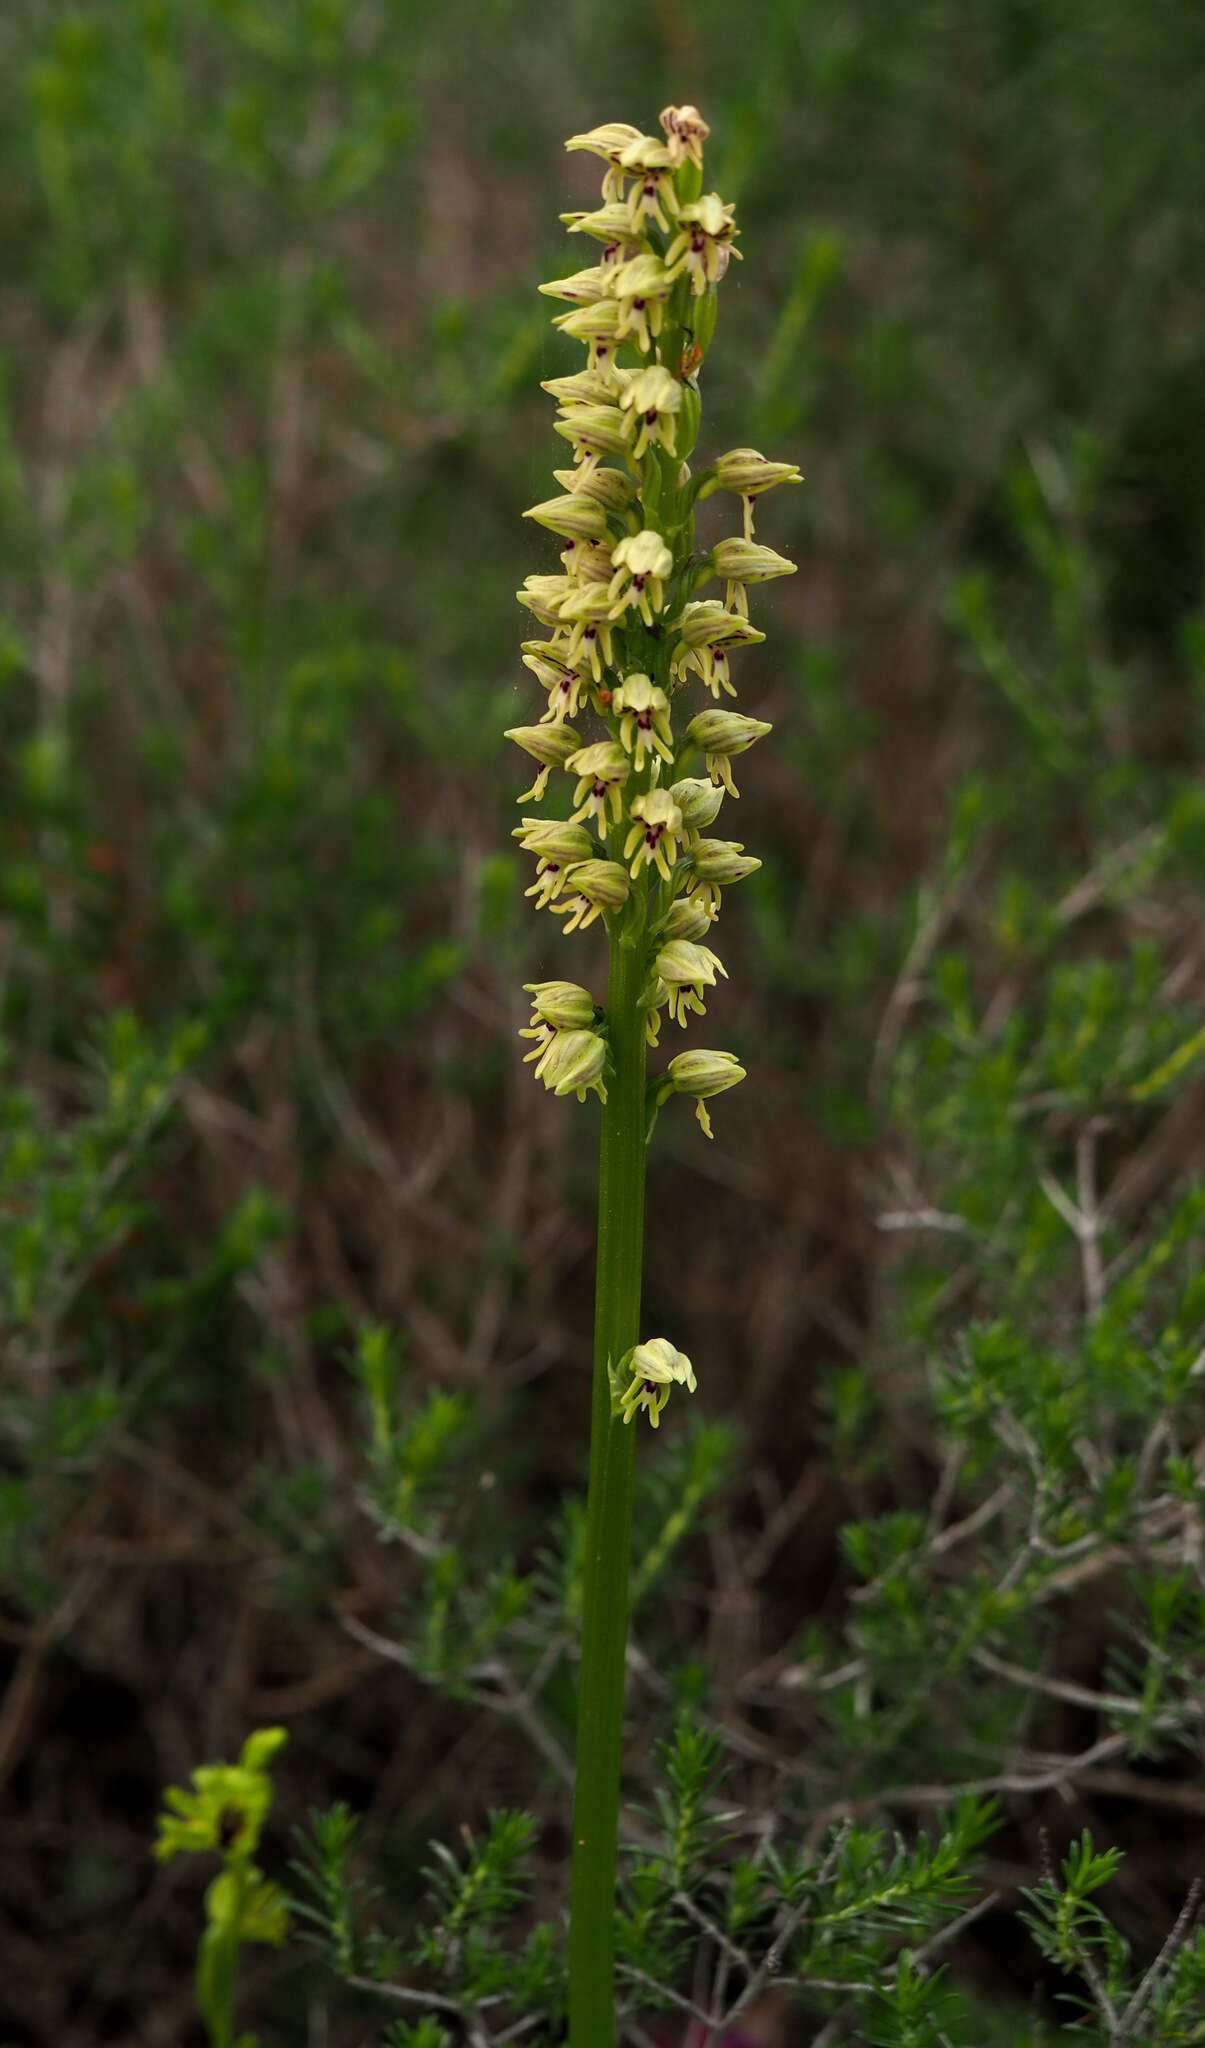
608	1516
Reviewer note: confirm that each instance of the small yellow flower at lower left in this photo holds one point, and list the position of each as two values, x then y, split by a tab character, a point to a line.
227	1806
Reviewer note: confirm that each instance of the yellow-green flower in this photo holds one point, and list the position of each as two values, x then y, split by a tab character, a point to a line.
703	243
602	771
608	141
698	800
705	632
656	1366
643	711
551	745
685	133
549	663
572	1062
651	167
641	286
595	886
227	1806
656	822
714	864
588	613
720	735
641	562
744	561
745	471
580	288
588	561
588	387
596	325
608	224
686	918
577	516
595	431
565	1005
653	397
701	1073
687	969
543	595
614	488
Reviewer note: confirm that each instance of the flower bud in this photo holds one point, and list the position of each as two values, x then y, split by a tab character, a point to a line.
588	561
684	964
745	561
610	223
642	561
598	430
607	140
577	516
554	839
653	397
744	470
542	595
613	488
698	800
602	770
566	1005
585	387
704	622
581	288
685	133
685	919
641	285
720	860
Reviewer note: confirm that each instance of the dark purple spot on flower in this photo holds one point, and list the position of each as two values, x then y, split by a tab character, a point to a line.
650	417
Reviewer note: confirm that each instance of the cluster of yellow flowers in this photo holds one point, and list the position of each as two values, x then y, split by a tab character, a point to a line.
623	630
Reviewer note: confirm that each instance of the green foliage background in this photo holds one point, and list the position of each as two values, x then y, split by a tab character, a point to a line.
269	362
